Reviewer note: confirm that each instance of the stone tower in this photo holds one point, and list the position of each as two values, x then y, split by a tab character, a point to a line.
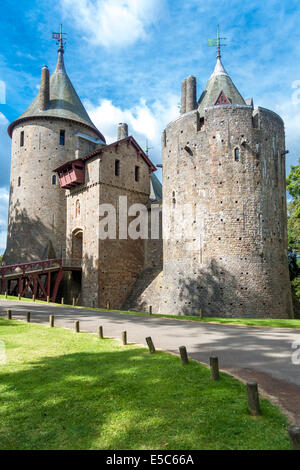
224	222
55	128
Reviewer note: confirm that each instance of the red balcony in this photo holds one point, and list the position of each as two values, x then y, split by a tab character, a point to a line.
72	175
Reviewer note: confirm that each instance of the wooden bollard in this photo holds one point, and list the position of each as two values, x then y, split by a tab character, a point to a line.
33	298
184	355
100	332
214	368
124	338
74	301
294	433
108	305
201	314
9	315
6	295
51	321
77	327
62	301
48	299
28	317
150	310
19	296
253	398
150	345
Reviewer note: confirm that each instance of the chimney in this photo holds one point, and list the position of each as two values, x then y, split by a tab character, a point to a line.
183	97
45	89
191	94
122	131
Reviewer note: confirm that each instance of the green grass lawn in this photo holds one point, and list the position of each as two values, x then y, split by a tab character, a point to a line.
62	390
274	323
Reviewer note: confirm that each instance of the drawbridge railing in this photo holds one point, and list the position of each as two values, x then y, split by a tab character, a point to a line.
37	279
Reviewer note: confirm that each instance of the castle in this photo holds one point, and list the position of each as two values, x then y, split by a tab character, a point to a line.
224	243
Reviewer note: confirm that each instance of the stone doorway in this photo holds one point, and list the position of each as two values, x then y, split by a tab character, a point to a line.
77	240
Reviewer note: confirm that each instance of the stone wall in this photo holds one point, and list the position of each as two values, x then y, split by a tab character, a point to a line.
110	267
37	208
229	169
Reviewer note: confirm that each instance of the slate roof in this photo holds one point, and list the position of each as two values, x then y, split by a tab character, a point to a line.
64	101
218	82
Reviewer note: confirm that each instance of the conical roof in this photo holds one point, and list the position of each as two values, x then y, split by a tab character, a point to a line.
64	101
155	189
219	82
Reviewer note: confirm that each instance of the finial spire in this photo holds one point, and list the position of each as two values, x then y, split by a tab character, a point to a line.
60	40
60	67
216	43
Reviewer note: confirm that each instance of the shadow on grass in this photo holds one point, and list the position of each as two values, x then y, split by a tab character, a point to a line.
127	399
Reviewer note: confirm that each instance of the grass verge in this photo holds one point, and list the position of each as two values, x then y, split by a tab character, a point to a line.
62	390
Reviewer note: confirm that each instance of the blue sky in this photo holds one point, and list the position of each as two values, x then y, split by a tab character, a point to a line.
127	58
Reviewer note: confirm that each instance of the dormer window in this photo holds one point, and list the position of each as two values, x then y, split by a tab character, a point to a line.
62	137
22	139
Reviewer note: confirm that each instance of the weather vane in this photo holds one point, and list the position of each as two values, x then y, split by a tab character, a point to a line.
60	39
217	43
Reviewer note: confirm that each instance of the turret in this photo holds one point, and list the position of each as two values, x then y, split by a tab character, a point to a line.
122	131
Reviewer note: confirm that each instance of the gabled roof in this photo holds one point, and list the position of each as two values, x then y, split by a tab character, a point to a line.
128	141
219	82
64	102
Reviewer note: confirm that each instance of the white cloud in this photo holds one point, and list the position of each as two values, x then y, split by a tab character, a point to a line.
145	121
4	195
113	23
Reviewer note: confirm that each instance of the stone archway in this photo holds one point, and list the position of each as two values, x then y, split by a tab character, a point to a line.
77	240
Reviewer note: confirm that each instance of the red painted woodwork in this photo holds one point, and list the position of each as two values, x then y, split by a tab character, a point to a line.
222	99
72	175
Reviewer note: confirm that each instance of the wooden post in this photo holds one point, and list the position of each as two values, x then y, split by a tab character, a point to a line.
184	356
253	398
150	310
28	317
33	298
201	314
214	368
51	321
9	315
124	338
100	332
108	305
150	345
19	296
6	295
48	299
294	433
62	300
77	327
74	301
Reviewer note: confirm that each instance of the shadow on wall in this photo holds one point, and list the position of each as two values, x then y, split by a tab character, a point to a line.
28	239
218	293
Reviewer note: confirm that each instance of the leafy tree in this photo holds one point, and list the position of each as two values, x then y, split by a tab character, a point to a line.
293	187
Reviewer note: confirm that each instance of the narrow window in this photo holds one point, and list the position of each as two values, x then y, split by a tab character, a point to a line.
62	138
237	155
77	208
54	180
137	173
19	181
117	167
22	139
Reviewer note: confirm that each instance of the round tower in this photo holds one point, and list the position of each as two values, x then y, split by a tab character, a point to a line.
53	130
224	214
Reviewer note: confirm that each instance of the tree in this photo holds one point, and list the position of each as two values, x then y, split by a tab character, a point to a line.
293	187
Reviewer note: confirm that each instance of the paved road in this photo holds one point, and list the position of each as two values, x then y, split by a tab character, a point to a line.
263	354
